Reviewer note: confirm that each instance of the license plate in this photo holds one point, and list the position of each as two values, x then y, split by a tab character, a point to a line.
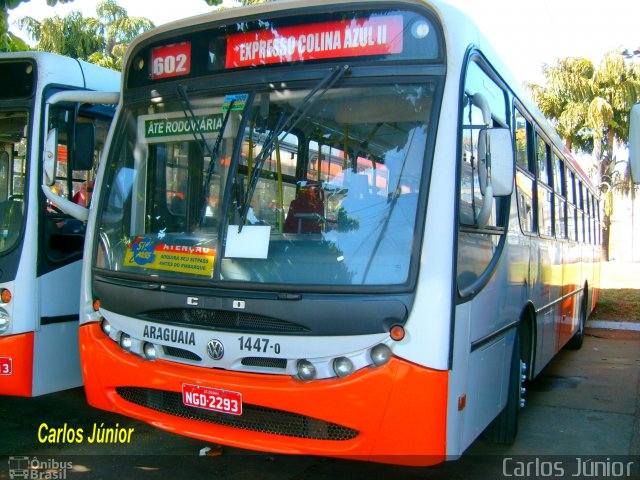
6	366
224	401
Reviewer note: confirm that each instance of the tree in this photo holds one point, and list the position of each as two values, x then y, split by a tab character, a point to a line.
102	40
118	30
590	109
73	35
8	41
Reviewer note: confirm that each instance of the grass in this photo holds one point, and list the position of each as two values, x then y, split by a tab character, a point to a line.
618	304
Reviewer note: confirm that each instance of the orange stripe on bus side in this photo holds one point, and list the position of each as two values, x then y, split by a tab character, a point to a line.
19	348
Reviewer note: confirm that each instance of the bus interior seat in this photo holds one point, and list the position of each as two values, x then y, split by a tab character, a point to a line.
306	211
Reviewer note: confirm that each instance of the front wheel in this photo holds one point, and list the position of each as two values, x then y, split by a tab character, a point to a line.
504	428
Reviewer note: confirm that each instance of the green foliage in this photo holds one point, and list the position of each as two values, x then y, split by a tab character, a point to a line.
8	41
102	40
74	35
590	107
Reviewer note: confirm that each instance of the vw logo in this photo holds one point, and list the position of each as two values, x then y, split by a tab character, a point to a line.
215	349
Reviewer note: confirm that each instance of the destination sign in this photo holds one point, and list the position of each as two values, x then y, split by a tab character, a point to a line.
176	126
353	38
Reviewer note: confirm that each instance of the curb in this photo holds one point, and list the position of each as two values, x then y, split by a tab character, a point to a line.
611	325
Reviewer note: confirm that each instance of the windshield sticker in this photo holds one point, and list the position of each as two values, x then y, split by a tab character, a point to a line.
174	126
251	242
239	102
196	260
355	38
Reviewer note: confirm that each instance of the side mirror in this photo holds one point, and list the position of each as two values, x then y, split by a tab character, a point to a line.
634	142
502	160
85	144
495	168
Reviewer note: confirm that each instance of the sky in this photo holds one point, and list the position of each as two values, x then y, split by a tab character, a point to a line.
525	33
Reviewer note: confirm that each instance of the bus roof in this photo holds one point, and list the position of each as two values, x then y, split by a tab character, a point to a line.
57	69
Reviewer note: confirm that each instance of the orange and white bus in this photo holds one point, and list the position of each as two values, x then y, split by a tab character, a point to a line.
334	229
45	122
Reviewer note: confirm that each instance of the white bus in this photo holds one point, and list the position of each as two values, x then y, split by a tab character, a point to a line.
333	229
40	246
634	142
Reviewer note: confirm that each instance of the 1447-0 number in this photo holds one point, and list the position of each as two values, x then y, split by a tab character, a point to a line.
258	344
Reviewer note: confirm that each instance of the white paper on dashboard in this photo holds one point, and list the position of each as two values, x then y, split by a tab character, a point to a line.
251	242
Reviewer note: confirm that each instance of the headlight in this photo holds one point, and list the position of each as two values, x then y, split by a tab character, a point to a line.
150	351
106	327
125	341
342	366
306	370
380	354
4	321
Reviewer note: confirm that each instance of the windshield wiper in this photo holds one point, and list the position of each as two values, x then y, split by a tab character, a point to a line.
202	143
300	111
204	147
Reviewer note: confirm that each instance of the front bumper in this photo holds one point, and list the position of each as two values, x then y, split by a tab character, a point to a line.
391	414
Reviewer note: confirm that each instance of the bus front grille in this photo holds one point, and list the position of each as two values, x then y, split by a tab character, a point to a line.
254	417
224	320
266	362
181	353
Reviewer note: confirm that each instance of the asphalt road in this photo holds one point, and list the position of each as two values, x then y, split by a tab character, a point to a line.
582	420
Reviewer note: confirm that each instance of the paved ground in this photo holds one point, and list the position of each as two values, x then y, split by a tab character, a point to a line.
583	408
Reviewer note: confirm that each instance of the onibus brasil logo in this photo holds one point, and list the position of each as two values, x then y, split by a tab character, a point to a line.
33	468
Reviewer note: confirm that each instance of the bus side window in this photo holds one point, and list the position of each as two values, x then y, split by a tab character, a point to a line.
560	196
545	191
525	176
4	175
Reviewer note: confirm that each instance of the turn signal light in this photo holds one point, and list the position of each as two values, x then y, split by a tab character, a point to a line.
5	295
397	332
96	305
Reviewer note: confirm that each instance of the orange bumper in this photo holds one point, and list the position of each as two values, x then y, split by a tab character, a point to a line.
16	365
398	411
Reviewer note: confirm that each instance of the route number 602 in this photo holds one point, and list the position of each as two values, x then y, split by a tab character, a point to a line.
171	60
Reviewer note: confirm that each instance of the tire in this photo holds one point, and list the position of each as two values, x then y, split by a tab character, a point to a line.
504	428
575	342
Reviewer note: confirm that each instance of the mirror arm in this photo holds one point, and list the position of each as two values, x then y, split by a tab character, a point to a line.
485	212
67	206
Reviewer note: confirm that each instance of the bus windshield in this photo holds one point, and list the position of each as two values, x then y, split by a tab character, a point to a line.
13	148
305	188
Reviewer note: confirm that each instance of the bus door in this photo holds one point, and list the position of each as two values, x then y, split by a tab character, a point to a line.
75	137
